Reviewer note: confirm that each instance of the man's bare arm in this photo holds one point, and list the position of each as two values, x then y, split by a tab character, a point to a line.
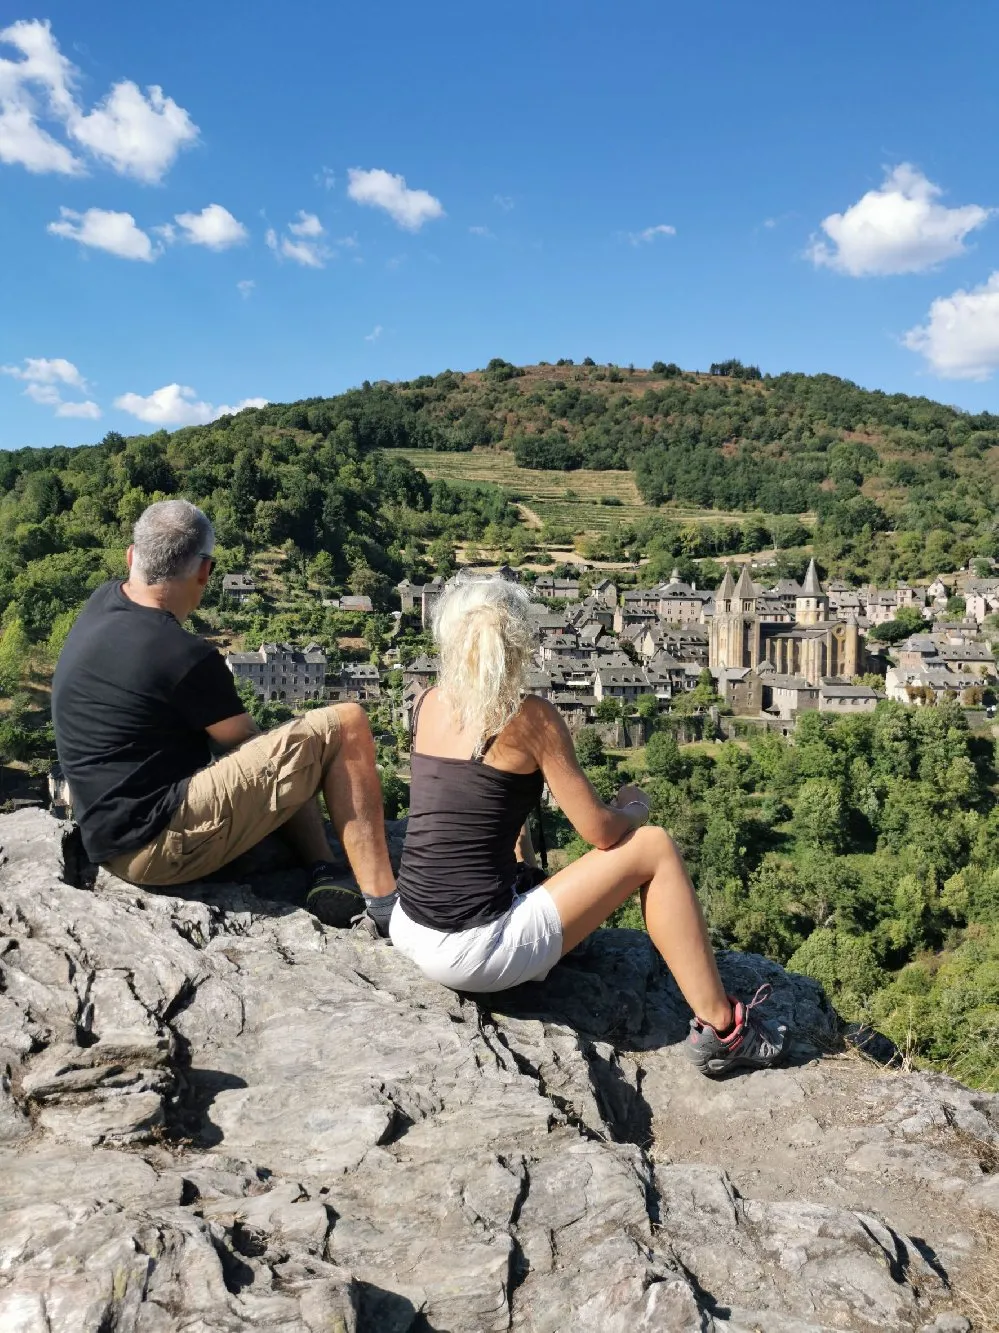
233	731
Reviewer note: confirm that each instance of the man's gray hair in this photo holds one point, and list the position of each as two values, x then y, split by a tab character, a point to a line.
170	539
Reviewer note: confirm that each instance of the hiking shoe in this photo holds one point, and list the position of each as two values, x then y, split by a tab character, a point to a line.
752	1044
331	902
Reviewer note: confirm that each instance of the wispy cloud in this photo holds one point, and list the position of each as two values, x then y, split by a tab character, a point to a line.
650	234
326	177
503	201
305	245
374	335
44	380
483	232
245	287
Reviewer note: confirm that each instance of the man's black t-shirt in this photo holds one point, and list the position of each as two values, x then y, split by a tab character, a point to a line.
132	695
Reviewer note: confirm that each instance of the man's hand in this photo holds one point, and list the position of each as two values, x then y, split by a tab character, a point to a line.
233	731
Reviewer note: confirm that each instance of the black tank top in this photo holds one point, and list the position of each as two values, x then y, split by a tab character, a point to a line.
459	862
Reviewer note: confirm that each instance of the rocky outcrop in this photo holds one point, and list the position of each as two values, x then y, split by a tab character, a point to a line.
216	1114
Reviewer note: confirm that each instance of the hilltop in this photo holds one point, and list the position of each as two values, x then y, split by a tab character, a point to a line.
884	485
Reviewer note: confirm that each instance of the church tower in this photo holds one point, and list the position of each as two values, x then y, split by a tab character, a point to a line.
735	628
811	606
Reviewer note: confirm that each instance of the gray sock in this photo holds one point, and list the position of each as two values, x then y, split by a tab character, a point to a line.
380	909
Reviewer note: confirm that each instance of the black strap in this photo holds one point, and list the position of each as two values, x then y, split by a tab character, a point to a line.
542	848
415	718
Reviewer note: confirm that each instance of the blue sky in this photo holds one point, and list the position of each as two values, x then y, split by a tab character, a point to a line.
197	212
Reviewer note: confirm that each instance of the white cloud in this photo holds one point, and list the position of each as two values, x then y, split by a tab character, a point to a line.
374	335
137	134
177	405
647	236
116	233
308	253
960	339
88	410
46	395
503	201
43	370
245	287
225	410
900	228
379	189
484	232
25	143
326	177
307	225
43	378
308	250
214	227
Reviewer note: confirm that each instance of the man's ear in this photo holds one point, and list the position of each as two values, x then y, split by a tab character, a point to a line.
129	557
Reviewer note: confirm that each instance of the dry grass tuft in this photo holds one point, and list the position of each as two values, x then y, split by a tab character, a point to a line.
977	1296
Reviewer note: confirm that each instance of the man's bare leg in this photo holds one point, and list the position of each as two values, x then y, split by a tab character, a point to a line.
306	831
354	799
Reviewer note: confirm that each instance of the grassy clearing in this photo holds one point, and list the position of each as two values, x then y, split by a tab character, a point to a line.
568	499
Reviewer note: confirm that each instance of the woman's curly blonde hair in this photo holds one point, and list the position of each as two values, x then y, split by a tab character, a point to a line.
485	638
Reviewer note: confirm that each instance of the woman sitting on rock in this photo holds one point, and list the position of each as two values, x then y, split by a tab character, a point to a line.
481	756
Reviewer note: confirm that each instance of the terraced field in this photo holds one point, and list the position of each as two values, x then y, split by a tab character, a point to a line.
569	499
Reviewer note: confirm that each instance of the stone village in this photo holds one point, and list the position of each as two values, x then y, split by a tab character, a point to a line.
770	651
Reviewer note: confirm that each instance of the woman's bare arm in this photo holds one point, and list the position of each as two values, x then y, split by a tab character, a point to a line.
548	738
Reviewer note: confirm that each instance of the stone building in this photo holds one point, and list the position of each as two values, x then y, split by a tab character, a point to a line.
238	586
278	671
814	646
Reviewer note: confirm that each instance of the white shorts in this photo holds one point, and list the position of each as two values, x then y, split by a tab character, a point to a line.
523	945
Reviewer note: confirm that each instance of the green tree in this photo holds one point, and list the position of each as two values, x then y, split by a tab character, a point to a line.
589	748
662	756
14	649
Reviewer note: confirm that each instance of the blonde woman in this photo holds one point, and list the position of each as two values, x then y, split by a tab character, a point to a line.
481	756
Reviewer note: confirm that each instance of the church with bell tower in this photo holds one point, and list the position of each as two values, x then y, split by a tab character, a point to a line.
814	647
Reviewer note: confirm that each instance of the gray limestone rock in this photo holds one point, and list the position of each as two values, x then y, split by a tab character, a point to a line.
216	1114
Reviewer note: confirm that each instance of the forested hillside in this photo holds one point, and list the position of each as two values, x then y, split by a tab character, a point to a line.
66	514
865	462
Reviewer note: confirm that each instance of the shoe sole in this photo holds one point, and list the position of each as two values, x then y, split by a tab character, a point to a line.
335	906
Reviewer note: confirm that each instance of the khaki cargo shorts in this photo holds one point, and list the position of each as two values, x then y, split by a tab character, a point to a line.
236	801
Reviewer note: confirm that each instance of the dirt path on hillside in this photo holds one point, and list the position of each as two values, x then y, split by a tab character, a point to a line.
531	519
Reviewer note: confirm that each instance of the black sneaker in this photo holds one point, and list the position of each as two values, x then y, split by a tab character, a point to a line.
332	902
752	1044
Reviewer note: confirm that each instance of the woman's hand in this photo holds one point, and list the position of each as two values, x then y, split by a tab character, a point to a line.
633	802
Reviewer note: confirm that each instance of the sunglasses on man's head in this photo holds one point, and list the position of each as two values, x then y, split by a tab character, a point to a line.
211	561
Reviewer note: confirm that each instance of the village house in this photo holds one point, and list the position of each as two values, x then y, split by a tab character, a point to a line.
421	672
239	586
278	671
351	603
681	603
553	589
624	683
359	682
835	697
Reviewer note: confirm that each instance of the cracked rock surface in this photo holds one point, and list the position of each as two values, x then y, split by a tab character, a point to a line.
216	1114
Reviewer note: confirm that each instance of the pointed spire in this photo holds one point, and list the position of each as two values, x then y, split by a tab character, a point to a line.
675	576
811	586
727	589
745	589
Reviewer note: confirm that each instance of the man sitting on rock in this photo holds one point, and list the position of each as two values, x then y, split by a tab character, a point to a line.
139	704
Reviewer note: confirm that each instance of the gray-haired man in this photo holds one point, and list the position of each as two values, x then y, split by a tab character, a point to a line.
138	702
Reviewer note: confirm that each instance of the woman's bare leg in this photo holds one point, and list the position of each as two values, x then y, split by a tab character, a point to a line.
587	891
